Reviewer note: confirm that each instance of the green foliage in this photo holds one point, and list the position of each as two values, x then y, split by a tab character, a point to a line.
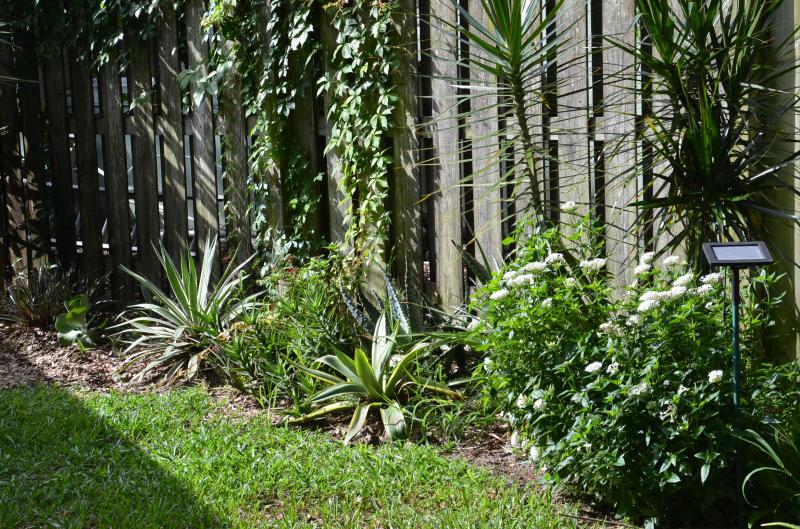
625	400
722	128
301	317
362	100
74	327
178	333
772	485
37	297
381	381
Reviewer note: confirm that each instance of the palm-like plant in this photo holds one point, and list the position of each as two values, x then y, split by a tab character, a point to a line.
718	129
511	48
365	382
178	332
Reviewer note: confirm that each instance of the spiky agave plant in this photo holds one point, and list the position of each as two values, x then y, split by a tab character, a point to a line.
176	333
378	381
722	89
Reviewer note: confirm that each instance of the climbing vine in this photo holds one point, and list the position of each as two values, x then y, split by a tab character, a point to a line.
362	99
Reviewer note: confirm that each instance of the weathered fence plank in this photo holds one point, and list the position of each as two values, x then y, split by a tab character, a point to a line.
13	213
572	122
619	122
86	161
116	173
445	156
145	176
483	125
202	132
175	208
235	164
38	222
61	163
407	225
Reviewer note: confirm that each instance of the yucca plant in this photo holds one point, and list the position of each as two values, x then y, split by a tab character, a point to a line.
722	94
511	46
177	331
380	381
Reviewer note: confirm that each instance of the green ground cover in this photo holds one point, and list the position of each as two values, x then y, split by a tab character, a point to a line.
177	459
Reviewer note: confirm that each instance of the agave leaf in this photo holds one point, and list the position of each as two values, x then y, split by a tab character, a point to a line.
339	390
367	376
322	411
357	422
394	420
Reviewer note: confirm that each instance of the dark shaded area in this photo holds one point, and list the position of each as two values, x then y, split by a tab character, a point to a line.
62	465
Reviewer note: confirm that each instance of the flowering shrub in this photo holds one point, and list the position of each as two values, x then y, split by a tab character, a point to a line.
622	397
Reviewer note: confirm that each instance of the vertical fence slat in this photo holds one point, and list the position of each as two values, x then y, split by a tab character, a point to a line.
573	109
63	200
619	123
115	167
483	128
407	211
235	164
175	208
86	159
12	205
145	176
445	158
202	131
31	107
338	203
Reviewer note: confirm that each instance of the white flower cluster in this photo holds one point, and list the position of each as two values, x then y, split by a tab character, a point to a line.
648	305
715	376
569	207
611	329
642	268
613	368
535	266
672	260
647	258
593	265
547	303
640	389
500	294
704	290
521	280
570	281
683	280
554	259
594	366
711	279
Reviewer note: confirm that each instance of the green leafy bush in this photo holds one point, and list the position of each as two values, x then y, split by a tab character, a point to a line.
177	333
75	327
301	318
624	398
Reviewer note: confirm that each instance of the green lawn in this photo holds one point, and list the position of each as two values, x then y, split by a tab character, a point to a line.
175	460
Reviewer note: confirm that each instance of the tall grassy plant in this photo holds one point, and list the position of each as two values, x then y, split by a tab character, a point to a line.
511	48
718	127
178	332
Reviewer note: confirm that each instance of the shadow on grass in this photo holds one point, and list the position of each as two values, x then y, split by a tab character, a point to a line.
64	465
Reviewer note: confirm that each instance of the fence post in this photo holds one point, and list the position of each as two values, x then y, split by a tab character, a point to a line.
116	173
63	199
619	116
202	132
483	123
407	212
12	206
145	176
445	163
171	128
86	159
38	210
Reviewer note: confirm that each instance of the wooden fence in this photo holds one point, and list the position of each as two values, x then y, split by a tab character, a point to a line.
96	183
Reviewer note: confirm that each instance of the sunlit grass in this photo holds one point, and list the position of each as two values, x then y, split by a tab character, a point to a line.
177	460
